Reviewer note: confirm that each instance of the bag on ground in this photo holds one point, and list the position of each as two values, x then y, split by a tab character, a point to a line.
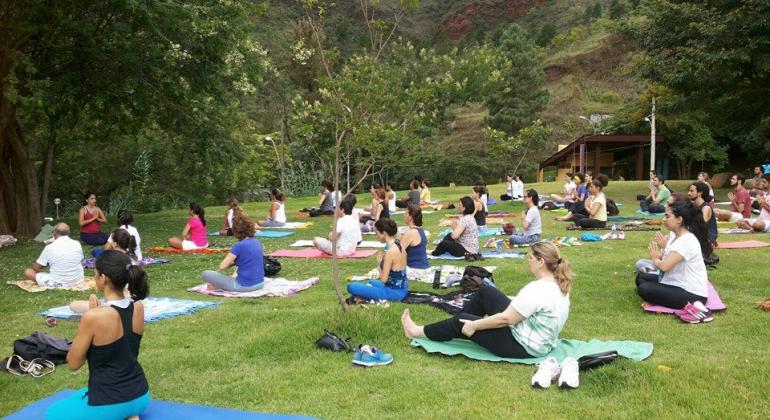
272	266
40	345
473	277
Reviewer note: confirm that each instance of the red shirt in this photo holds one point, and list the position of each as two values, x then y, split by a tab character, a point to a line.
742	196
92	227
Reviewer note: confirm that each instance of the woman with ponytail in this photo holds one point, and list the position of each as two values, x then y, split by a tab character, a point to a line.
675	275
527	326
392	284
108	337
277	217
194	234
126	222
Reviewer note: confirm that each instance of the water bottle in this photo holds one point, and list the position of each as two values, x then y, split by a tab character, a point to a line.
614	234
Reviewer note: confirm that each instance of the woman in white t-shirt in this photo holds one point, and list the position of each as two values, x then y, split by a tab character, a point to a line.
526	326
569	191
675	275
277	217
126	221
595	206
510	189
232	210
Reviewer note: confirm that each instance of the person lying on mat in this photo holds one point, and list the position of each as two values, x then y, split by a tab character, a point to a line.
658	201
578	206
63	257
761	223
126	222
412	197
425	193
378	209
246	255
740	202
123	242
414	240
509	193
479	214
108	337
277	217
194	231
568	192
90	218
679	257
326	201
595	205
699	194
463	240
232	210
526	326
530	222
392	284
348	231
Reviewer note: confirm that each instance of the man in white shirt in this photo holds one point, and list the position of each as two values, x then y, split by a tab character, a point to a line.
530	222
63	257
348	231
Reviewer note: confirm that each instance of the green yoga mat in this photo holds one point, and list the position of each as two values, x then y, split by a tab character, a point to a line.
633	350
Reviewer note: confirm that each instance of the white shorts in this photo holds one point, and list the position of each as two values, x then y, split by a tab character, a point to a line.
45	279
325	245
734	217
190	245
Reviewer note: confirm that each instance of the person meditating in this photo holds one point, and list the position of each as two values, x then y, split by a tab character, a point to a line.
277	217
699	194
595	205
232	210
326	201
194	231
463	240
415	241
108	336
63	257
377	210
90	219
655	203
348	231
530	222
392	284
675	275
509	189
581	195
569	191
760	224
412	197
126	222
740	202
479	213
246	255
526	326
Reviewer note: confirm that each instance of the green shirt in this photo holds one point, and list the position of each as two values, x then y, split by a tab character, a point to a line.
663	195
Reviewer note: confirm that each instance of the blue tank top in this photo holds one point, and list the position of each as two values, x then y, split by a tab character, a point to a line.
396	279
417	255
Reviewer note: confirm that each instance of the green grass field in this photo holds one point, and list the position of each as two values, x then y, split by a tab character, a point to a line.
258	354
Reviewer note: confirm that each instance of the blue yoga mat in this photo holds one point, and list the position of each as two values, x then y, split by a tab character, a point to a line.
157	410
646	213
265	233
485	254
482	234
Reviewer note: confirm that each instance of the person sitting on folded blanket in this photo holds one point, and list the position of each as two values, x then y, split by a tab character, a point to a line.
699	194
412	197
232	210
348	231
568	192
526	326
414	240
425	193
277	216
479	213
509	193
63	257
463	240
578	206
658	201
676	275
378	209
393	284
90	218
109	337
126	221
194	234
530	221
246	255
762	223
740	202
596	207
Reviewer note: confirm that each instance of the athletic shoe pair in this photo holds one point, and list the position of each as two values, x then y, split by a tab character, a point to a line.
694	313
549	370
370	356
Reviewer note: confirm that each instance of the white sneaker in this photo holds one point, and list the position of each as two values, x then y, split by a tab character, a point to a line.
547	372
568	378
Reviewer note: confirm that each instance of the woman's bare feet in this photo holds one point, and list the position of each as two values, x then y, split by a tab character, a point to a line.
411	330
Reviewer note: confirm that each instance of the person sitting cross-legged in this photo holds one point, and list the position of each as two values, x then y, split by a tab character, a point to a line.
740	202
63	257
392	284
656	202
762	223
348	232
246	255
530	222
463	240
595	205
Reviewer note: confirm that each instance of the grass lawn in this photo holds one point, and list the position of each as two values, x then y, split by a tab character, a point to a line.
259	355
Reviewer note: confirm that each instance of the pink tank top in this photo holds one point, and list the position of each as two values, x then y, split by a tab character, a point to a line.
92	227
197	231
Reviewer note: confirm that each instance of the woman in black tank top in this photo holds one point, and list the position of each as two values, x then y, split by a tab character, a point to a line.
108	337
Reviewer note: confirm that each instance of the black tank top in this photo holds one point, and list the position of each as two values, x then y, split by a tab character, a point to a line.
711	224
385	213
115	375
481	217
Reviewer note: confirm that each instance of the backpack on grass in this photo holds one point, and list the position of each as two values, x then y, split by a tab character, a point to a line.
272	266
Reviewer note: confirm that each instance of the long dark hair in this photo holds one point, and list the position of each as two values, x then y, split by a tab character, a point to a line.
125	241
278	195
85	197
386	225
117	267
692	219
468	206
199	211
415	212
703	189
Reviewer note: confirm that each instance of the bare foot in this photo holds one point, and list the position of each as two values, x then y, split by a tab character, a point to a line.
211	287
411	330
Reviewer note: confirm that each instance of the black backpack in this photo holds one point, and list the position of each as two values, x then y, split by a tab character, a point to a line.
40	345
331	341
272	266
612	208
473	277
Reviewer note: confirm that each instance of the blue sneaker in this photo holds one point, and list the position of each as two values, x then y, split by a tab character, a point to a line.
372	356
357	355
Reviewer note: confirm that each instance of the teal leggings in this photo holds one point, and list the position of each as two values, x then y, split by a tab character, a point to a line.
76	407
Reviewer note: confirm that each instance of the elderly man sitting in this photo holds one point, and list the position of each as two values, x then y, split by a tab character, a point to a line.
63	257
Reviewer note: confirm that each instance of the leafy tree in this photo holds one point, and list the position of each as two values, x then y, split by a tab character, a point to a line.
546	34
523	150
617	9
524	95
596	10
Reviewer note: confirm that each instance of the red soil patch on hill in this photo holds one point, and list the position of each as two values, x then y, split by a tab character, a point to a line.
463	22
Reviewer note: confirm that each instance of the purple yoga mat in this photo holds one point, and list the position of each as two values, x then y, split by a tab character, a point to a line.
714	303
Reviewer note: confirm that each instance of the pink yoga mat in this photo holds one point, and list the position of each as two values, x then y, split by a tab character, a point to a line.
314	253
742	244
714	303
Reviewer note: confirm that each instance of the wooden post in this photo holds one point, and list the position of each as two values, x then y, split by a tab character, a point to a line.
540	175
582	164
597	155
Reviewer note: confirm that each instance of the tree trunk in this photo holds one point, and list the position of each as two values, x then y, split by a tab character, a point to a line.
48	168
335	266
19	197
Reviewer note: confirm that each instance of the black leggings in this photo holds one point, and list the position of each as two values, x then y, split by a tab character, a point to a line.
586	222
449	245
576	208
650	289
651	207
319	212
487	301
506	197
